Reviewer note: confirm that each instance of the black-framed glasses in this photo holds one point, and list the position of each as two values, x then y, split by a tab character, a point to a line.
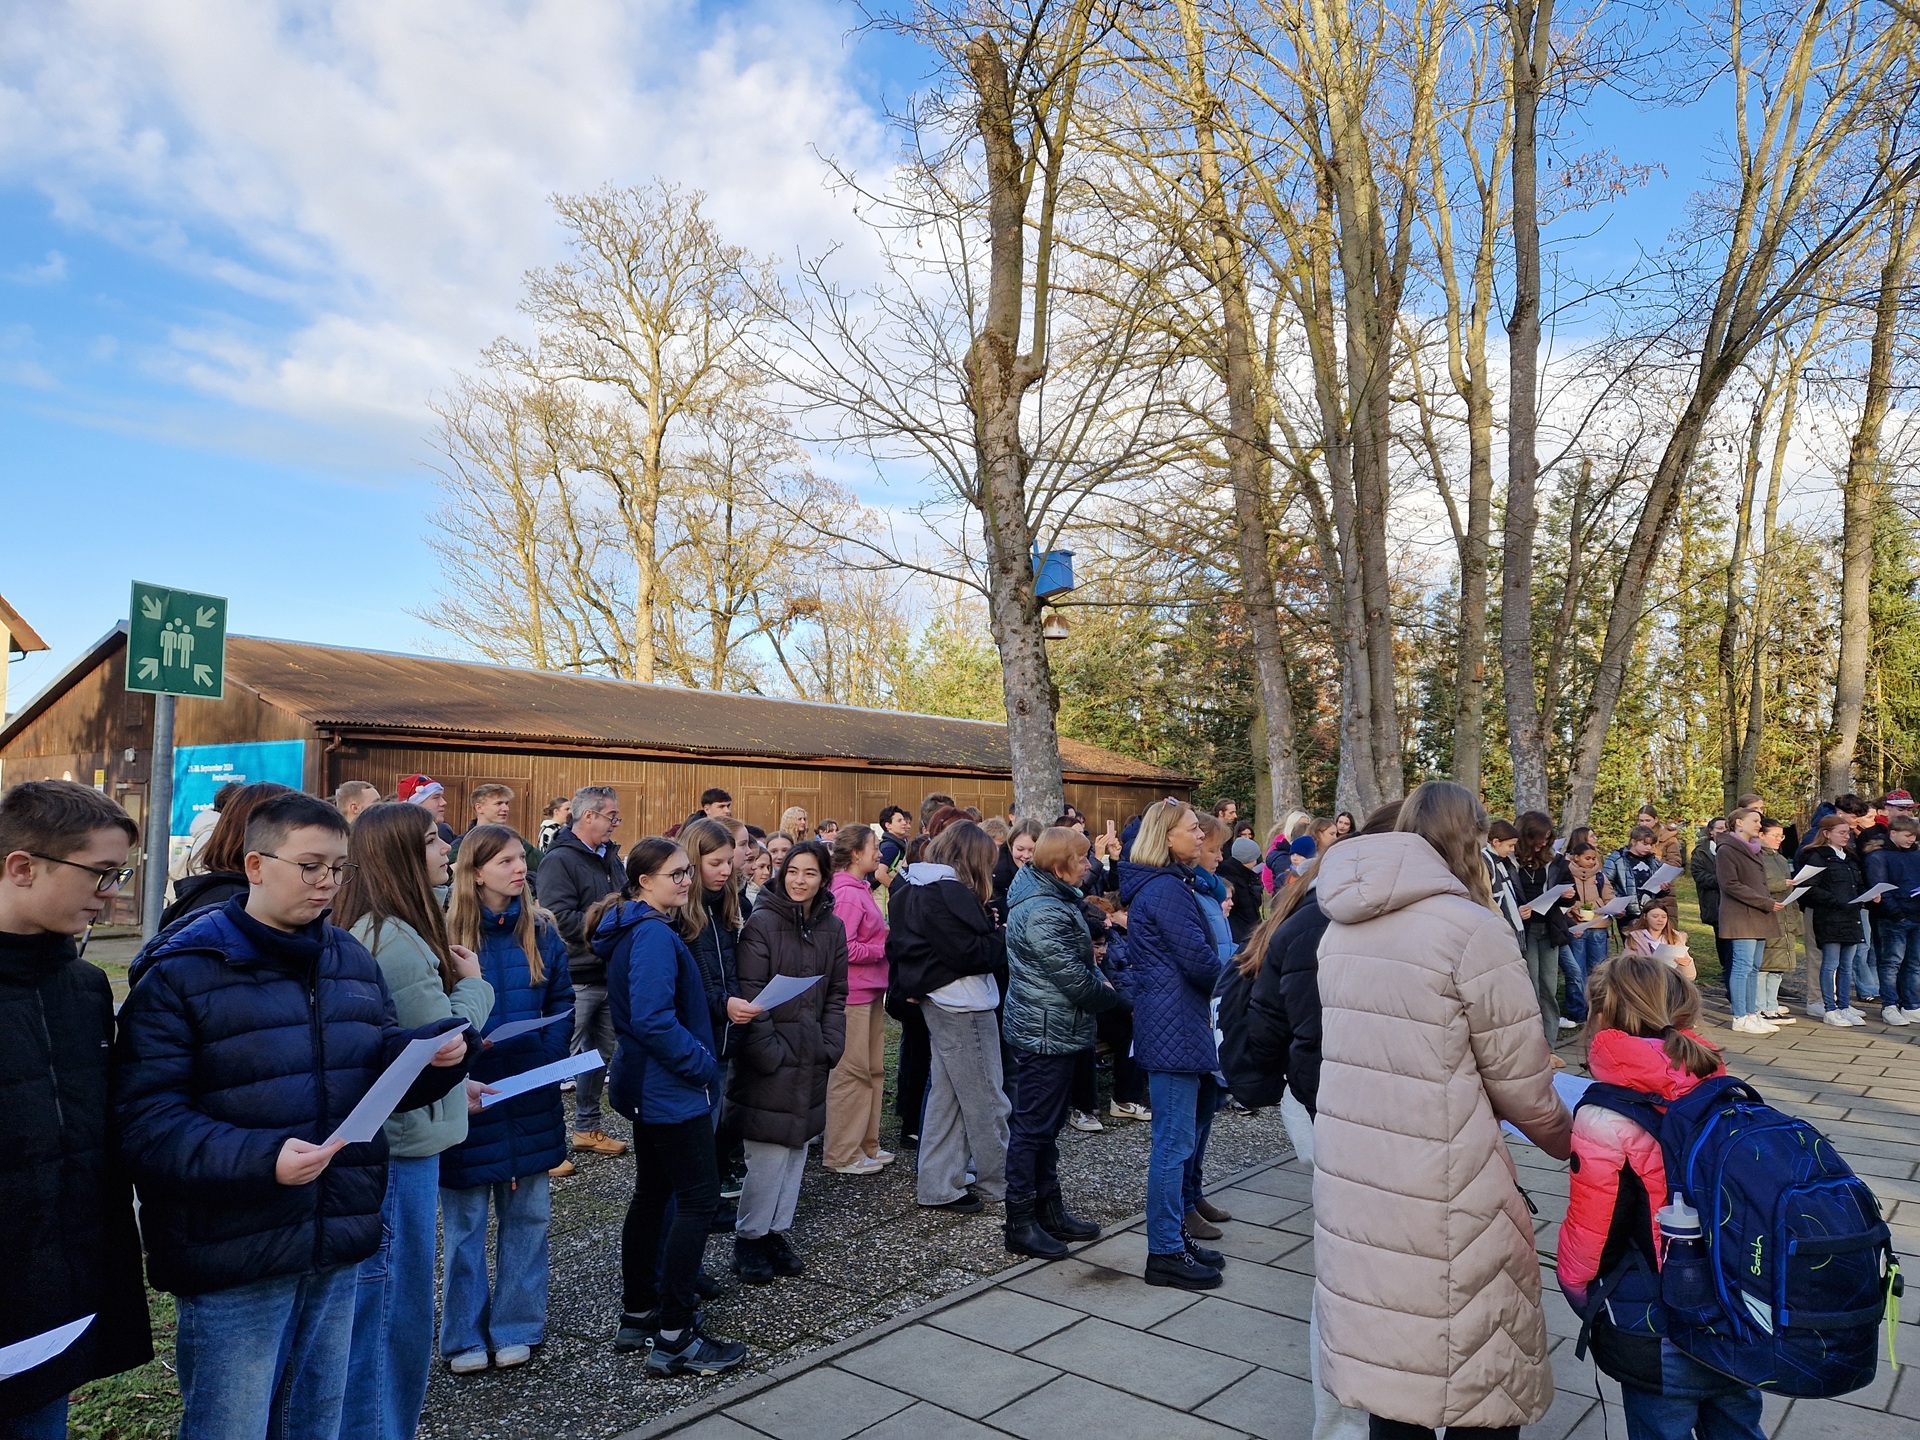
311	870
680	876
106	878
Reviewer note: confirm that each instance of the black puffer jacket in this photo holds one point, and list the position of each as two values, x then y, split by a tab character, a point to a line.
1830	895
572	879
68	1247
1247	892
236	1038
1283	1008
777	1093
202	892
939	932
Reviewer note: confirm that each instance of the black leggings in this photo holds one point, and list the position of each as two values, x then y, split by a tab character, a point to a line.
1378	1429
671	1163
915	1066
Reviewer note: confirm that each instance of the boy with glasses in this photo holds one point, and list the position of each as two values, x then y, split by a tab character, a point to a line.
250	1034
68	1248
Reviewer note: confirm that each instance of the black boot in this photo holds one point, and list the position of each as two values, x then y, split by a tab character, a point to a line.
1212	1259
1051	1211
781	1255
751	1261
1025	1236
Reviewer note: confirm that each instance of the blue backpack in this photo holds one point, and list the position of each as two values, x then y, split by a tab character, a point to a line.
1800	1262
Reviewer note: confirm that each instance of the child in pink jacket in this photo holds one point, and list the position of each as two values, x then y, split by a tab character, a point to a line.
854	1089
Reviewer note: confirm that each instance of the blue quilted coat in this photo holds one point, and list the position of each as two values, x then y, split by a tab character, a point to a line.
665	1071
526	1135
1172	962
235	1038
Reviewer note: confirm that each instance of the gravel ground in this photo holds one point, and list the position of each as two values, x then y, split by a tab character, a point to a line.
871	1253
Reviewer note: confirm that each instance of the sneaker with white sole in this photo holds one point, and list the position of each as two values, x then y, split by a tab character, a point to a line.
1081	1120
1834	1017
1854	1017
1566	1024
509	1356
468	1362
1894	1015
1122	1110
865	1165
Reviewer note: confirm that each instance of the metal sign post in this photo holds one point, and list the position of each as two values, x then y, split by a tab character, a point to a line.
176	645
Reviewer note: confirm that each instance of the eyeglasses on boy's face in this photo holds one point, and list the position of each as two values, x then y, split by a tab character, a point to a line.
106	878
312	870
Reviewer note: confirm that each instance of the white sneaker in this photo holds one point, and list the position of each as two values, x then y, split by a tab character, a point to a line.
1782	1017
1834	1017
1763	1026
508	1356
468	1362
1081	1120
1894	1015
1748	1025
865	1165
1854	1017
1120	1110
1566	1024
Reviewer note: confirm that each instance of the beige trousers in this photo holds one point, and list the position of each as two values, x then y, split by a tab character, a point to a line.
854	1089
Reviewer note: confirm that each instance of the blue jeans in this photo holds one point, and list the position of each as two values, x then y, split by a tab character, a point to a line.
515	1311
1836	974
1741	989
1733	1416
393	1309
1178	1101
268	1358
1579	958
49	1422
1866	974
1898	943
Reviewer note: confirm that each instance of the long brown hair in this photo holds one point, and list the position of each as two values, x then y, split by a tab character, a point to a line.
478	847
647	857
971	853
1645	996
1254	953
1449	818
1536	840
388	844
701	838
227	845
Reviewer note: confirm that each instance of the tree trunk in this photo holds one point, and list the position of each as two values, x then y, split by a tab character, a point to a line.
1862	491
1733	601
1000	376
1530	23
1247	437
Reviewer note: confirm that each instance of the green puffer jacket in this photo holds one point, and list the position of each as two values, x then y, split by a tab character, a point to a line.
1053	988
412	973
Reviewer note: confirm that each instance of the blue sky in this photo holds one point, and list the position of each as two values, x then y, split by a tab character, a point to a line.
242	243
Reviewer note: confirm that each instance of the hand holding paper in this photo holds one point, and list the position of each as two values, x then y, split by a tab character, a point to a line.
1807	872
498	1090
1793	895
1662	878
1616	906
377	1104
1871	895
782	988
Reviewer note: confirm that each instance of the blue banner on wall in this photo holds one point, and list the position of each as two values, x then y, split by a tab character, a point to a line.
200	770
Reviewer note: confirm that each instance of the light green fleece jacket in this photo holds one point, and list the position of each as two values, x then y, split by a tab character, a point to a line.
412	973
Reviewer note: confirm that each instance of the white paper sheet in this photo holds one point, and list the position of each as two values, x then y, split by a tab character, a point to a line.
1568	1087
1670	952
1793	895
1616	906
541	1075
1869	896
1807	872
377	1104
1661	878
515	1028
1559	892
23	1355
782	988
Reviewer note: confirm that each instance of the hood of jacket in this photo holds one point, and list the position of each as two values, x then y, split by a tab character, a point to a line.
925	872
1135	878
1637	1062
190	889
628	915
1031	884
1367	876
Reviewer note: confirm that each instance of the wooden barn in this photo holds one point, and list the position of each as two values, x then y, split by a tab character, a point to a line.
369	715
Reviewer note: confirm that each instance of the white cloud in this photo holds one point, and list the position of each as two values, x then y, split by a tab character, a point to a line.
50	271
376	171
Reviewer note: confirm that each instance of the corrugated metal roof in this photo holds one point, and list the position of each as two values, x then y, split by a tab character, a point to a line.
369	692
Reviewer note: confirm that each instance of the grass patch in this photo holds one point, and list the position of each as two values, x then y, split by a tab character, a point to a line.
1706	959
142	1404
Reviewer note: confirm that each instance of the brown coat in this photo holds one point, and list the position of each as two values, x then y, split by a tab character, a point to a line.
1746	904
777	1091
1428	1289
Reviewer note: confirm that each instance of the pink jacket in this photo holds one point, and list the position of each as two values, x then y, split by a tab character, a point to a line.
866	927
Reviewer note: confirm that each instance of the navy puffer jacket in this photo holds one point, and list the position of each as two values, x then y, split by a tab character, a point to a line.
526	1135
666	1068
237	1037
1172	964
1054	989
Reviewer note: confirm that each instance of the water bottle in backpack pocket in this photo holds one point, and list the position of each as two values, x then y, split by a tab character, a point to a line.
1782	1278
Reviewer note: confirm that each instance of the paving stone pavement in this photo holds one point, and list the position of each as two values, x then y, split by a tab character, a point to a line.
1083	1347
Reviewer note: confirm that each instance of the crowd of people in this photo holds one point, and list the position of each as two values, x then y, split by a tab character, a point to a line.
1396	985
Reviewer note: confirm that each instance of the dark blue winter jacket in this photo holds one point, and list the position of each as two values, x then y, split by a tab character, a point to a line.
526	1135
1890	865
237	1037
665	1070
1172	965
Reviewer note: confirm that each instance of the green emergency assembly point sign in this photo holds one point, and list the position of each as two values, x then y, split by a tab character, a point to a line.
176	643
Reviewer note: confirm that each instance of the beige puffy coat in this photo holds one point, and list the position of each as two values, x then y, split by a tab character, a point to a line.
1428	1294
